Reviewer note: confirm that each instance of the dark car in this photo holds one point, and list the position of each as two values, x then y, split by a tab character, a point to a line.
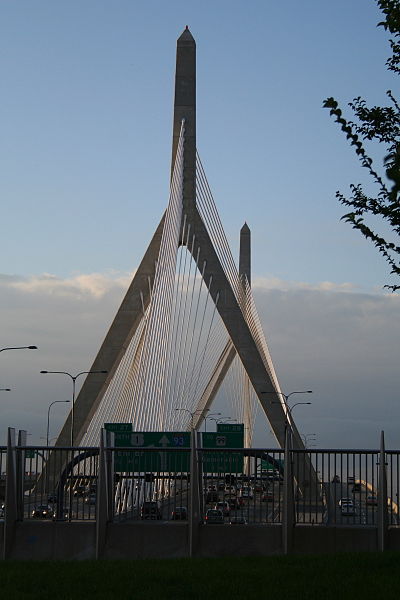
150	510
42	512
214	516
211	497
179	514
52	497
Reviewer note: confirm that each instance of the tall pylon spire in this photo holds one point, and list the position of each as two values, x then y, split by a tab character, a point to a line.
185	110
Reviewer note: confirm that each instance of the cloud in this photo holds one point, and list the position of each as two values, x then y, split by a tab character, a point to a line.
93	285
340	342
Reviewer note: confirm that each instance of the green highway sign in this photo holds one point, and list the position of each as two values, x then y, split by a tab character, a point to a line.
223	462
149	462
230	428
274	465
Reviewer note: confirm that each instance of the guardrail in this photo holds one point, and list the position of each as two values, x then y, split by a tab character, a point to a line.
245	485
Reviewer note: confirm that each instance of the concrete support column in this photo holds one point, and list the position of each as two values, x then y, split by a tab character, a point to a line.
105	490
194	498
382	498
11	512
288	497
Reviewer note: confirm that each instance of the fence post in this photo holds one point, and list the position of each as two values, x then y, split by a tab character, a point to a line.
194	505
104	492
382	498
20	473
11	512
288	497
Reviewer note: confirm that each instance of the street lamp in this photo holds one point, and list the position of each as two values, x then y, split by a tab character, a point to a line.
48	418
74	378
210	417
289	409
20	348
5	389
190	413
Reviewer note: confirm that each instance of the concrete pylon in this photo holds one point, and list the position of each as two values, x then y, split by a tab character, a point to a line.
199	244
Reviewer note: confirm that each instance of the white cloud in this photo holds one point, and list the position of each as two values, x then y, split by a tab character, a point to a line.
93	284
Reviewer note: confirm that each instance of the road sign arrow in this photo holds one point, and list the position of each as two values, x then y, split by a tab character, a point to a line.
164	441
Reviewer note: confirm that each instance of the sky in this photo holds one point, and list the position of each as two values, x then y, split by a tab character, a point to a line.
85	151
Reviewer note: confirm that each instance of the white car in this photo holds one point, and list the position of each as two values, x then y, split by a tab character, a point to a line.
345	501
347	509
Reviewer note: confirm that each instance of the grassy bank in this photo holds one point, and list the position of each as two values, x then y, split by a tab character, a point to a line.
355	576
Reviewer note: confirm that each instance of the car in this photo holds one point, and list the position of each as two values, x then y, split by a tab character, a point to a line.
52	497
345	501
336	479
237	521
211	497
267	496
371	500
246	492
91	499
230	490
214	517
150	510
224	507
43	511
348	509
80	490
179	514
259	487
356	487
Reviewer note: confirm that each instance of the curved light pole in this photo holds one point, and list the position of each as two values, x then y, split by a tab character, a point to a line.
48	418
74	378
190	413
289	409
20	348
210	417
5	389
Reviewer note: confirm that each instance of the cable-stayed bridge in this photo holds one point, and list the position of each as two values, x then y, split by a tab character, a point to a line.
187	329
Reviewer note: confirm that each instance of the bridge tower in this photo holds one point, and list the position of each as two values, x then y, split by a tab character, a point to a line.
233	303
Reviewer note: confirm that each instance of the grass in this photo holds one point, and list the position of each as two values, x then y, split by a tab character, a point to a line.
325	577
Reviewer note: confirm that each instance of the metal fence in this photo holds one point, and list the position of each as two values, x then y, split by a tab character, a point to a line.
237	486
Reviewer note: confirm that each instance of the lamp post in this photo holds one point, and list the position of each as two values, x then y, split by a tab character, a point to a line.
204	410
20	348
289	409
5	389
48	418
73	378
209	417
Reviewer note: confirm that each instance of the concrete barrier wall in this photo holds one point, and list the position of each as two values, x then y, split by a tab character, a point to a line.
77	541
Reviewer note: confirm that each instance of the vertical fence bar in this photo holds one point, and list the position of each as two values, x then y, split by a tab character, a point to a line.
382	498
288	497
11	495
194	516
102	497
20	473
